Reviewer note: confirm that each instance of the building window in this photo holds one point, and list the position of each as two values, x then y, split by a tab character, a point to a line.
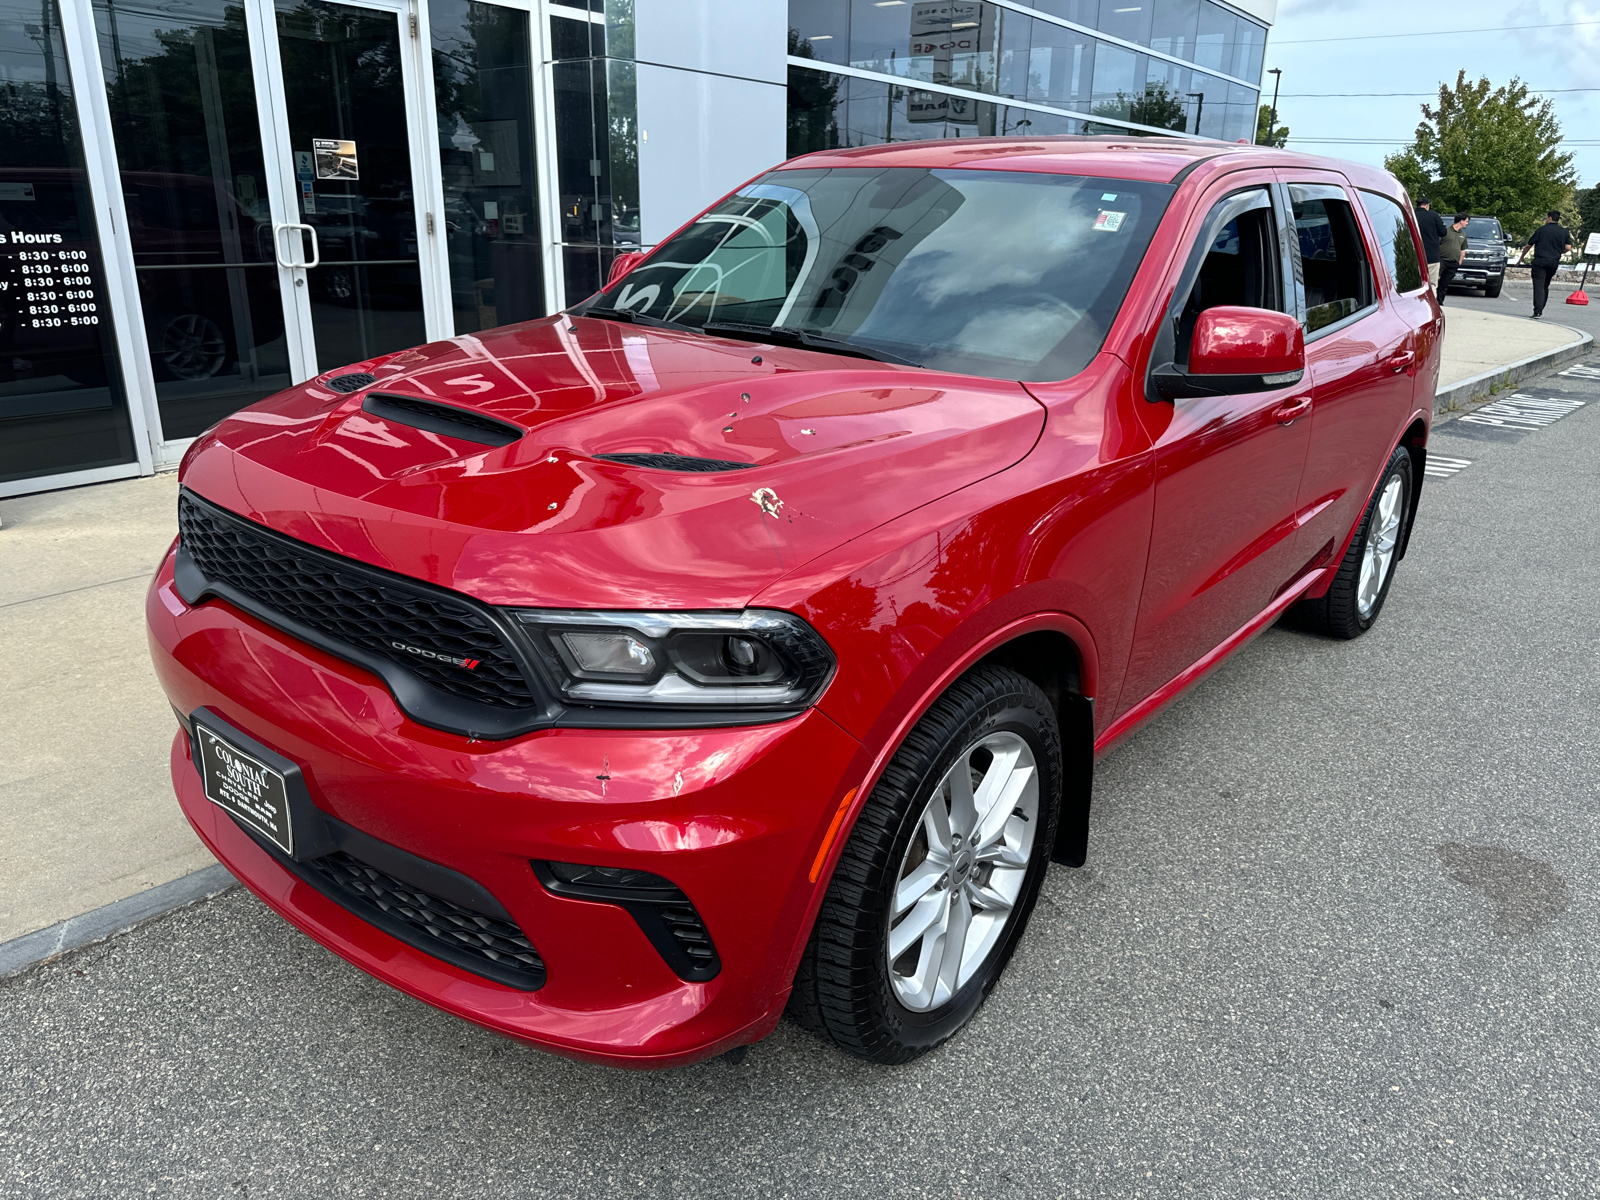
483	90
62	404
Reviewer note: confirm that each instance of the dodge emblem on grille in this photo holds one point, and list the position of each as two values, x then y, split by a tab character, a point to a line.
453	660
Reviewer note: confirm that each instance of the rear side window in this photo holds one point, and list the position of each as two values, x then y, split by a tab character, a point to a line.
1395	244
1334	268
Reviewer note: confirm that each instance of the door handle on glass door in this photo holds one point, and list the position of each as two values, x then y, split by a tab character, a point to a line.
277	245
1292	410
1400	361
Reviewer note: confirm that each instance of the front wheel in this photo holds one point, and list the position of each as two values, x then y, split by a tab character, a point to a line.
935	885
1491	290
1355	598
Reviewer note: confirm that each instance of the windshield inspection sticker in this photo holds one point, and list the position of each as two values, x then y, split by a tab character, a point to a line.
1109	221
1108	196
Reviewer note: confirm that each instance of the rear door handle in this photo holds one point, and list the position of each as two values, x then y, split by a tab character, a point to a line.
1400	361
1292	410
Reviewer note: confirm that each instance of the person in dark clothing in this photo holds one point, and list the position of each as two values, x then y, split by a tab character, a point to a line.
1431	225
1548	243
1452	249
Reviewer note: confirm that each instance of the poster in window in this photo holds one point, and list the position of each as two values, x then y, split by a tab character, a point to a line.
336	158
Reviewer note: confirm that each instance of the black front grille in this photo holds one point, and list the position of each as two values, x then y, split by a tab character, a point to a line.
485	945
356	605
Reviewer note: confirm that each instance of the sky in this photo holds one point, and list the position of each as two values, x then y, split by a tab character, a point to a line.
1302	43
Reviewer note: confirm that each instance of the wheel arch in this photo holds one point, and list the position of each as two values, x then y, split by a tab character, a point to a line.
1060	656
1415	442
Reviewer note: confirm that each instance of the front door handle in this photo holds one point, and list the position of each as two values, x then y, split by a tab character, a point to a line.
1292	410
1400	361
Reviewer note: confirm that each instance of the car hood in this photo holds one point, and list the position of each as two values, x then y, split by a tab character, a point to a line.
837	446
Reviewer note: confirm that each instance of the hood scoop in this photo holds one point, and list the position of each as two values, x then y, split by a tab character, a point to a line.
676	462
446	419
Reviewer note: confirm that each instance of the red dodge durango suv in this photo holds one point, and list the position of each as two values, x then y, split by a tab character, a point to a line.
742	638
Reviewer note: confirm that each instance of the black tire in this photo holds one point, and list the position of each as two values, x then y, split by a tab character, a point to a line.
1491	290
1338	614
843	989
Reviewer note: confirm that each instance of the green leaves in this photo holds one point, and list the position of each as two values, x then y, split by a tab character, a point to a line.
1488	151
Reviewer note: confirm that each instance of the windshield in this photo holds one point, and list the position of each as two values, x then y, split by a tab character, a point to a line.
1483	227
1002	274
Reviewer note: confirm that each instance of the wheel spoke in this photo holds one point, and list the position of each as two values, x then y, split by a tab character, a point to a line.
953	950
987	899
936	827
916	885
963	812
1003	856
1005	803
927	918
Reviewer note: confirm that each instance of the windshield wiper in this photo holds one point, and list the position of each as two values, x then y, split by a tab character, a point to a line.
638	318
790	336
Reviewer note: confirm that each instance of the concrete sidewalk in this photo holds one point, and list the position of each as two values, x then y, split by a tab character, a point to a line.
1483	351
88	825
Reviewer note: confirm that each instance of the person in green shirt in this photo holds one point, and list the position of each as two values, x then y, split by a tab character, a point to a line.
1452	249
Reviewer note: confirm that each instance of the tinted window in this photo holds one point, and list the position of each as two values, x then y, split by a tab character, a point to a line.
1334	269
1240	265
995	273
1395	245
1484	227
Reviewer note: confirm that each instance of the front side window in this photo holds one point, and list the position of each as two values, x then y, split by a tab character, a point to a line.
1334	268
1395	244
1236	262
1003	274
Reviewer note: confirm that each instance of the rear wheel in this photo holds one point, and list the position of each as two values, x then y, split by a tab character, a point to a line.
1355	598
935	885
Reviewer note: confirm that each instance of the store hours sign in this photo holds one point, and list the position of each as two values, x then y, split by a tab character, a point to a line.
44	285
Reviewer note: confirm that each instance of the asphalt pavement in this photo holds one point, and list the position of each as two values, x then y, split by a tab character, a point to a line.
1337	937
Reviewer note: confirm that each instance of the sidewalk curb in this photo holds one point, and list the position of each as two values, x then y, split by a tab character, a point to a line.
1463	392
120	916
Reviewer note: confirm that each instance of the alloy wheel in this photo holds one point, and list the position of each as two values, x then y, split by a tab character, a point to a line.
192	347
961	875
1383	535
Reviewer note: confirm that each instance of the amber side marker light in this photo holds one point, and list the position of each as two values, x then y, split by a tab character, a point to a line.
833	832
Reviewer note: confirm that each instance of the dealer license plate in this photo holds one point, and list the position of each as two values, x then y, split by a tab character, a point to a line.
244	786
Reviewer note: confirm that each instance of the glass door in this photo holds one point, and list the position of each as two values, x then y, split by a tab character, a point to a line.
353	242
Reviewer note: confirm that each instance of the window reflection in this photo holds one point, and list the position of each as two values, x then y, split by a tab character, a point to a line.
349	133
483	90
62	406
183	112
597	145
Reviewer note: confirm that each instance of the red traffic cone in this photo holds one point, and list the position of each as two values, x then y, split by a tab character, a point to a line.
1578	297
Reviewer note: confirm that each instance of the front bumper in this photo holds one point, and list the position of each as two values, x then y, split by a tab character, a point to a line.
1478	274
732	817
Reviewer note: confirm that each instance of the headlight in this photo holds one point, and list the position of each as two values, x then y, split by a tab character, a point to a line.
756	659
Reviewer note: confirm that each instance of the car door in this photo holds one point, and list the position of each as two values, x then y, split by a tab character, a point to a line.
1361	358
1227	468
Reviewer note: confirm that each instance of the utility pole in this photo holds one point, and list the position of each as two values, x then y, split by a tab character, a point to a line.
1199	99
1272	117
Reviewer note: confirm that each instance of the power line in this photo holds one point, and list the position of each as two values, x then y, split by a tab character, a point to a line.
1369	37
1347	95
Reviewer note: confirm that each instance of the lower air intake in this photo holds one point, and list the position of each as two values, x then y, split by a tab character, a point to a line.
484	945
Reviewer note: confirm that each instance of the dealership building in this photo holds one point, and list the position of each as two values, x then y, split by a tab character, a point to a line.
205	201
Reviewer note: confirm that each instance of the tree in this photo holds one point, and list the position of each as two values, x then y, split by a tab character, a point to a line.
1265	124
1588	203
1490	152
1157	106
813	103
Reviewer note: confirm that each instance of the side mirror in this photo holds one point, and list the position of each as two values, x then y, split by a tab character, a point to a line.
622	264
1235	350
